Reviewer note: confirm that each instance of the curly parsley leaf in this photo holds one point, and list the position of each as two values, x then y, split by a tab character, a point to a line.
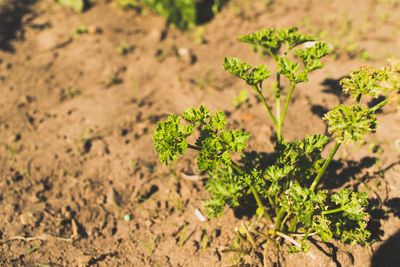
365	81
242	70
351	122
226	188
170	138
311	55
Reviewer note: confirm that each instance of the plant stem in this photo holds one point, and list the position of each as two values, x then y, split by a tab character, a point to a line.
278	106
279	218
255	194
292	86
265	103
259	203
325	166
381	104
293	225
332	211
284	220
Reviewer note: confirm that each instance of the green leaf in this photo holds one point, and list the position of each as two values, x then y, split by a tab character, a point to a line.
351	122
234	140
321	226
289	69
365	81
291	37
266	38
352	203
218	120
226	188
241	70
197	114
170	138
311	55
271	40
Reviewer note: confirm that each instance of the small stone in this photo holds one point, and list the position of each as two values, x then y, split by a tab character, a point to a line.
46	40
27	218
148	223
93	29
155	34
127	217
186	55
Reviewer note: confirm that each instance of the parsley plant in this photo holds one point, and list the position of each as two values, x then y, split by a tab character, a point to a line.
284	184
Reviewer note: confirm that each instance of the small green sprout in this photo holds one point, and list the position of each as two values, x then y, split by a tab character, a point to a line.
240	99
77	5
284	184
79	31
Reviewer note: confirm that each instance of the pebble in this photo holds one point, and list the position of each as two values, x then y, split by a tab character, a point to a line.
186	55
27	218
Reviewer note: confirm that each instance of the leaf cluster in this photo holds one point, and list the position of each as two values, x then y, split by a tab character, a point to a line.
246	72
351	123
181	13
272	40
365	81
215	143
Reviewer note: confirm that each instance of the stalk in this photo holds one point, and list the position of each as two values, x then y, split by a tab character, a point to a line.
293	224
260	204
279	218
255	194
332	211
265	103
381	104
292	86
278	106
325	166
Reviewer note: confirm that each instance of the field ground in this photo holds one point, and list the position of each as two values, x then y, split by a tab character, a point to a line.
80	183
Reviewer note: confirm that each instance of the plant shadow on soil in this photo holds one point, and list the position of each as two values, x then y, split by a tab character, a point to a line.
204	11
11	25
387	253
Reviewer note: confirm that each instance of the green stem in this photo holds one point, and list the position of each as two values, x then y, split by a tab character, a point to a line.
279	218
284	220
332	211
325	166
292	86
237	168
293	225
265	103
259	203
381	104
255	194
278	106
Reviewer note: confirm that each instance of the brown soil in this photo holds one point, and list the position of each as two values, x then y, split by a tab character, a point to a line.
80	183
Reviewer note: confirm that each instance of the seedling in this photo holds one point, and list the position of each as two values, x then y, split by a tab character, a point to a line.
286	185
77	5
240	99
68	93
79	31
180	13
182	240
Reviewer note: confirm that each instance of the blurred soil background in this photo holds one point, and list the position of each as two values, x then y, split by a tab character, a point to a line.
81	93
